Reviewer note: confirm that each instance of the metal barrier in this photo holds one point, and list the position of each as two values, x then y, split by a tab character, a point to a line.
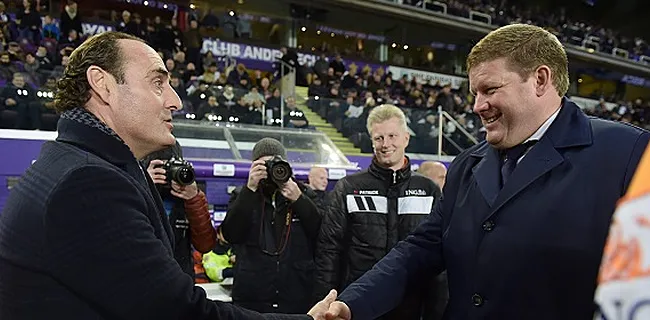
487	17
587	44
435	6
621	53
594	39
644	59
287	88
441	132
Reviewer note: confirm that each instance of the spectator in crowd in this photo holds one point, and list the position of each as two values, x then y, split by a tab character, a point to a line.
70	19
212	107
338	66
44	105
317	179
50	29
321	65
29	22
72	40
16	98
193	43
239	78
44	59
293	117
7	68
5	19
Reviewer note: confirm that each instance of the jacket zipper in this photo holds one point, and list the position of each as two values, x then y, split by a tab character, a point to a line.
394	177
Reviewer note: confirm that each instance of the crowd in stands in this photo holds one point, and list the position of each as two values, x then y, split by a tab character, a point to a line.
568	30
36	48
345	97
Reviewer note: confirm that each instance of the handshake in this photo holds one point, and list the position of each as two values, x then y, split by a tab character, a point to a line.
330	309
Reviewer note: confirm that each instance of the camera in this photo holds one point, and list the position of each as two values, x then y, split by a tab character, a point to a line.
179	170
278	170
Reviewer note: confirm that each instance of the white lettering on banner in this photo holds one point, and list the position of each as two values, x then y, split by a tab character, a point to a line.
250	52
427	77
93	29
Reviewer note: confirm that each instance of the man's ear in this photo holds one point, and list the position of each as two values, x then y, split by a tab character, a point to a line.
543	80
101	82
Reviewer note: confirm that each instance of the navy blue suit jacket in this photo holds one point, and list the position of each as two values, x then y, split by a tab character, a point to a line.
529	251
83	235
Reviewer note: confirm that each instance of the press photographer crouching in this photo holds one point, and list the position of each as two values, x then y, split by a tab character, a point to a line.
273	225
185	204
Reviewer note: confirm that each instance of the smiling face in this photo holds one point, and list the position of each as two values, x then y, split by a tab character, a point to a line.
141	108
389	141
505	102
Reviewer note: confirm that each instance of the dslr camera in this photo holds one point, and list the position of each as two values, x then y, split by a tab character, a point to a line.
179	170
278	170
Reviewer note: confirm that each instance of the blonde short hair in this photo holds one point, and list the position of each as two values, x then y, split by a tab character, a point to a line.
383	113
526	47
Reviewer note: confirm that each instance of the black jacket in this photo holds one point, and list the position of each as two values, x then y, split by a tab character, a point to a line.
83	236
369	212
265	280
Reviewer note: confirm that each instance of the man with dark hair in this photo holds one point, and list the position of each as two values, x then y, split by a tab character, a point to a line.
84	235
273	227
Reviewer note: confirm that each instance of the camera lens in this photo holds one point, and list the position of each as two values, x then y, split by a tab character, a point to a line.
281	172
185	176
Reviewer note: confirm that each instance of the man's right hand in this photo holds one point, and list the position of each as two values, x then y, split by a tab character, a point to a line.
257	173
338	311
10	102
158	175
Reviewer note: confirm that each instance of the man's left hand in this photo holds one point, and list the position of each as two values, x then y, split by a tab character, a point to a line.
184	192
291	191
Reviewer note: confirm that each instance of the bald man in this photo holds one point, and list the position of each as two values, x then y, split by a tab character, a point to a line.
435	171
318	184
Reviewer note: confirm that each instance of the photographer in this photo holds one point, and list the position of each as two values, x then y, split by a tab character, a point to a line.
186	208
273	226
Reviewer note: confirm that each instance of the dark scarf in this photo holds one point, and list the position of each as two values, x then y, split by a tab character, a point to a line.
83	116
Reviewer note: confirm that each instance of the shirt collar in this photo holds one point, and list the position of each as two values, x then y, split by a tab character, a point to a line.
540	132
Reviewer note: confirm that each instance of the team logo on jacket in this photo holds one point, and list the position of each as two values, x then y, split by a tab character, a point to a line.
367	192
416	192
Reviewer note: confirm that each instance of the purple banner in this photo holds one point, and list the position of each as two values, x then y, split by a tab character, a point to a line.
262	57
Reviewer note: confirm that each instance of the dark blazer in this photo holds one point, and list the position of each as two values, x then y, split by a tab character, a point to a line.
82	236
530	251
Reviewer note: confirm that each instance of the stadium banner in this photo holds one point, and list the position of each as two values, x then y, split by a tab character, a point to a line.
624	280
426	77
262	57
90	29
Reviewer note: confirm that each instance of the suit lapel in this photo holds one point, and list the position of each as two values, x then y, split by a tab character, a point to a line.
542	158
570	129
487	173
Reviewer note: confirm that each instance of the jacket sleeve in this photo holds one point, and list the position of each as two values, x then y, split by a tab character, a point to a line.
331	243
381	288
202	233
241	211
310	216
98	235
